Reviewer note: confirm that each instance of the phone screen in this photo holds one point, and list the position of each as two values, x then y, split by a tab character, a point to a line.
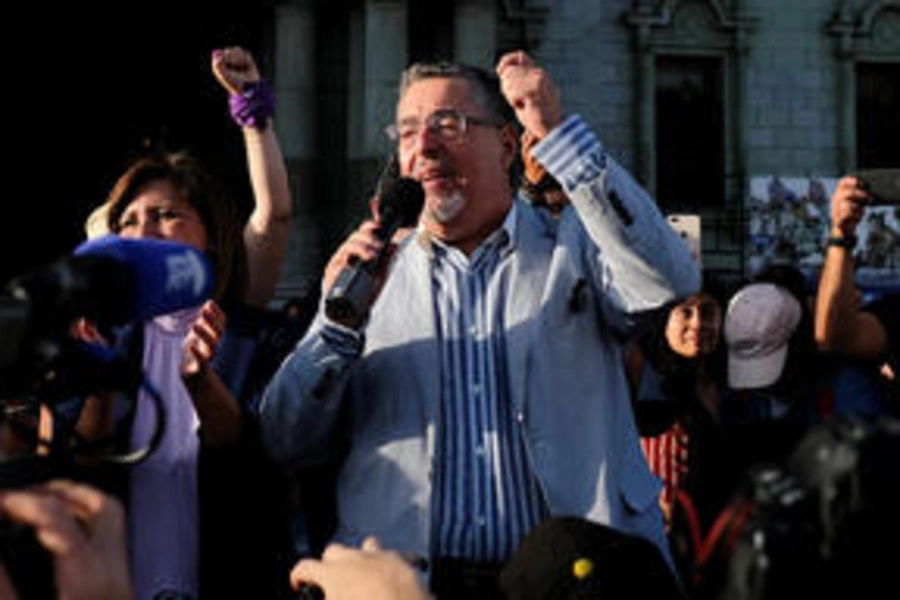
688	228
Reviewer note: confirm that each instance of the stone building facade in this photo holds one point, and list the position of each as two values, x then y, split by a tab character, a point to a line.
693	96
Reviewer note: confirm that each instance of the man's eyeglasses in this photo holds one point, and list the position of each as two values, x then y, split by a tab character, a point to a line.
448	123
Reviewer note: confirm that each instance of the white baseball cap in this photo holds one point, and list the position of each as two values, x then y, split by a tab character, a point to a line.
759	321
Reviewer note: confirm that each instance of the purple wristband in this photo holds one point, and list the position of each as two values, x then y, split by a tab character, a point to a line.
253	106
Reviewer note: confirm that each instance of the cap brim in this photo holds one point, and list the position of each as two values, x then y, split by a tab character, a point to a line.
757	372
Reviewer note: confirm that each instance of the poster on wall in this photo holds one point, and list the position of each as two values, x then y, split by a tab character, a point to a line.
789	221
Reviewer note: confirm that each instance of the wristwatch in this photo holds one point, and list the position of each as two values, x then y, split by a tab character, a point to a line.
848	241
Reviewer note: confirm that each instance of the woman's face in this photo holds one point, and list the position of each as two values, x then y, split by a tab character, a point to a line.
693	327
158	212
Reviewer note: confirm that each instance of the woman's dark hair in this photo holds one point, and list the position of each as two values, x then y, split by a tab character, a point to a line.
220	217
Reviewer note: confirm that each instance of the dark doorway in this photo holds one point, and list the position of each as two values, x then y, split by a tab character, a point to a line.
877	115
430	31
690	135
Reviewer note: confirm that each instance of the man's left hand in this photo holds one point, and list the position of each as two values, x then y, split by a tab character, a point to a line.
531	92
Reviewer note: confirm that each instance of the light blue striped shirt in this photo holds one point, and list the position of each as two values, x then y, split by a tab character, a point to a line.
485	496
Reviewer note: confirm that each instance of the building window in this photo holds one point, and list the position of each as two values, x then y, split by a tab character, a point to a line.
877	115
690	135
430	31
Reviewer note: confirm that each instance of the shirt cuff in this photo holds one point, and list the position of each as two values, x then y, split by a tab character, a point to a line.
566	149
345	342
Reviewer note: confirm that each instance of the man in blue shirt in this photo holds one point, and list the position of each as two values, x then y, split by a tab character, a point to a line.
485	391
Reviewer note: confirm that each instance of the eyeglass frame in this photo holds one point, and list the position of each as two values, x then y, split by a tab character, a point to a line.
431	123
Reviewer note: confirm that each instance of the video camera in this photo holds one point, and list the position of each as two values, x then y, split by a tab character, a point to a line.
817	525
109	282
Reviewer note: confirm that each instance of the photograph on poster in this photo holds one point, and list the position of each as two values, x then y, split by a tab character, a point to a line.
788	221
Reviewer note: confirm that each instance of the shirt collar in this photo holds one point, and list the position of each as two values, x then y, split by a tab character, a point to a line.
503	239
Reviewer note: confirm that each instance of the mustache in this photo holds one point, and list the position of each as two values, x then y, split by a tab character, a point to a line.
426	168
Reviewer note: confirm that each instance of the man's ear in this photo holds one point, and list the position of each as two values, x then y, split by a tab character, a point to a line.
510	140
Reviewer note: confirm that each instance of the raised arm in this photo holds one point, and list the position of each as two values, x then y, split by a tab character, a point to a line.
840	325
644	261
266	232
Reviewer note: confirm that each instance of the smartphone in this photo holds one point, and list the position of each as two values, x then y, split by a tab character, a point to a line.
882	184
688	229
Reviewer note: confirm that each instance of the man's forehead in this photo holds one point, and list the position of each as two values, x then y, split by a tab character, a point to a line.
424	96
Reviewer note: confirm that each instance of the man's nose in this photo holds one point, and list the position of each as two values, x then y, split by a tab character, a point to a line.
427	139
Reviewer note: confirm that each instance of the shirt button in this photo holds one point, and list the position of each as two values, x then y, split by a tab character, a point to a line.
481	521
476	390
479	450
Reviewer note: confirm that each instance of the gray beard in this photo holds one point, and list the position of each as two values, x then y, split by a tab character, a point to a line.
446	209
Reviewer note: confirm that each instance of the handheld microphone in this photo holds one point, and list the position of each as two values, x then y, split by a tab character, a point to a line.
113	281
349	299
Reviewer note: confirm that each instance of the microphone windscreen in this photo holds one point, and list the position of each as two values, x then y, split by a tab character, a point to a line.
164	276
401	203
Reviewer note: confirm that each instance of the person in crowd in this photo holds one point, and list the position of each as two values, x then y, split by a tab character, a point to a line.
484	390
171	197
368	572
773	376
842	325
678	370
707	391
82	529
761	321
569	557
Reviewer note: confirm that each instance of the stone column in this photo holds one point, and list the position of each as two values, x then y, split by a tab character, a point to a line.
475	30
295	122
739	120
842	28
646	110
378	54
847	105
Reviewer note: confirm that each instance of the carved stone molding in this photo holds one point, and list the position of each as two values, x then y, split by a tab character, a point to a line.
863	31
868	30
667	23
696	27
